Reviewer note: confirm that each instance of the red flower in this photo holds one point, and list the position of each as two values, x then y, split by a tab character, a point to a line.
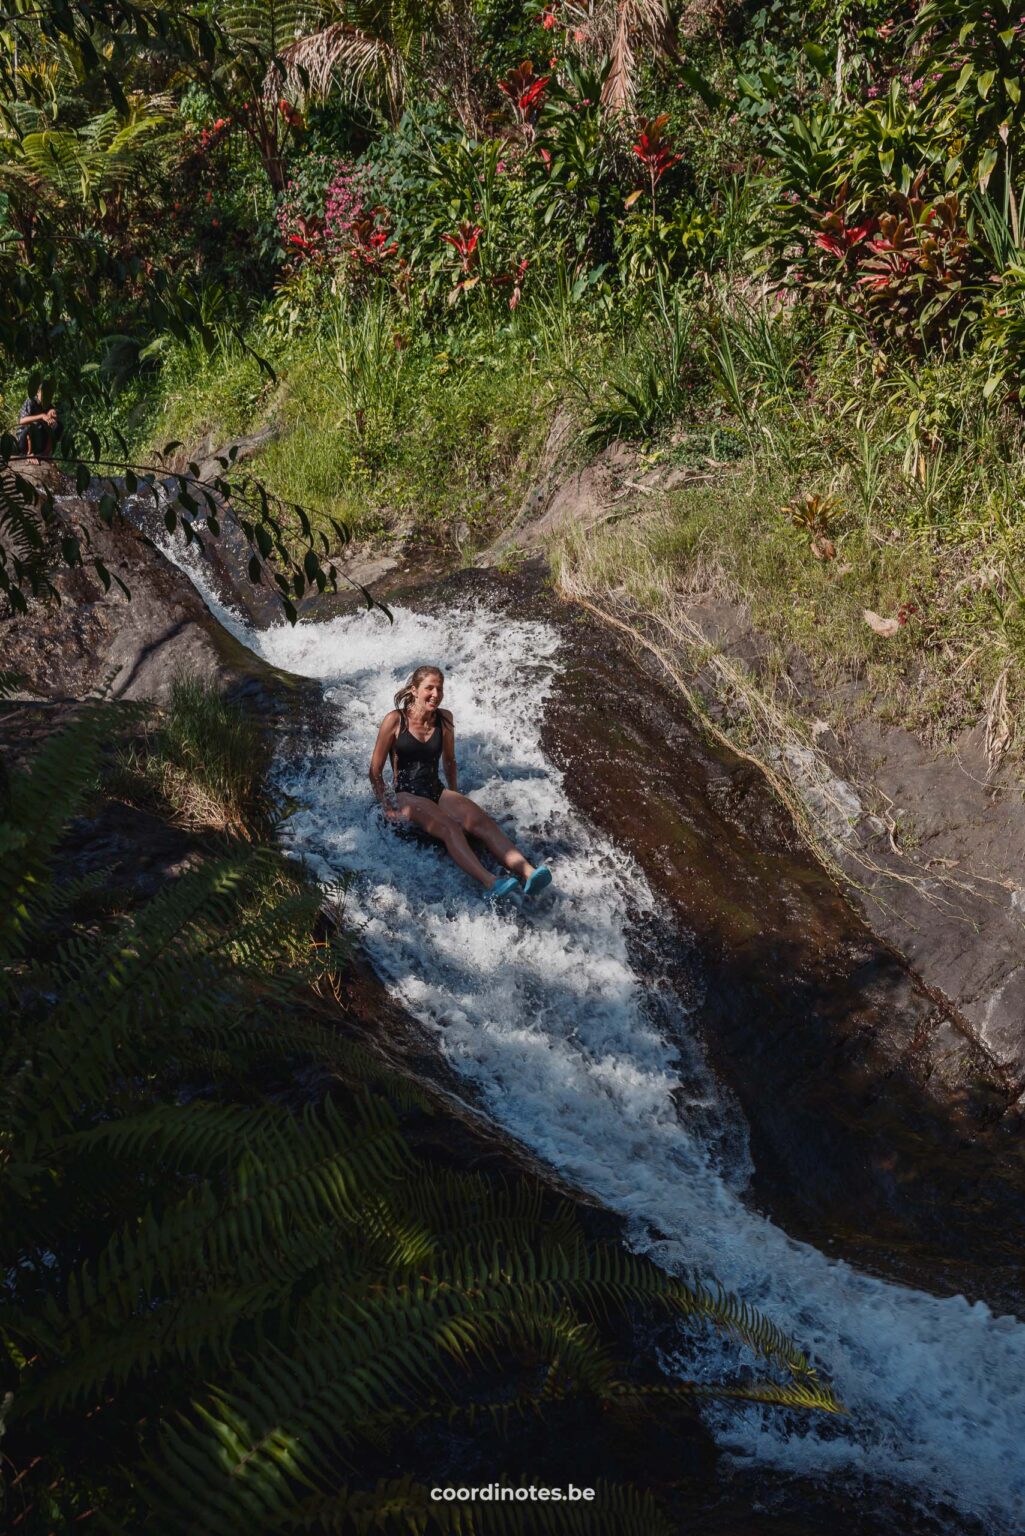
524	91
653	149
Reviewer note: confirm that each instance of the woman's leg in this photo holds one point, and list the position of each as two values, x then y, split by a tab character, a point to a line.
425	814
477	823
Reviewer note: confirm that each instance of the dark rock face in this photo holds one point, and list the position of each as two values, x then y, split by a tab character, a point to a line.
951	901
97	642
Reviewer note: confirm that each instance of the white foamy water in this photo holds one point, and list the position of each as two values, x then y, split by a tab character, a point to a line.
572	1049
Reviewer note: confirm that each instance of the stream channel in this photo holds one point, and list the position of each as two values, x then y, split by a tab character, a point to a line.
691	1028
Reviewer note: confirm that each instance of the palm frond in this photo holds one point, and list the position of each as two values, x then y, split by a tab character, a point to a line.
340	56
635	22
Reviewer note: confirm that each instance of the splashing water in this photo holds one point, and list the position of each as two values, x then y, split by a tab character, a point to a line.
588	1064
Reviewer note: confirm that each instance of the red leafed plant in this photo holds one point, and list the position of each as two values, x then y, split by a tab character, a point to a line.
838	238
526	92
915	275
654	150
369	246
515	278
465	242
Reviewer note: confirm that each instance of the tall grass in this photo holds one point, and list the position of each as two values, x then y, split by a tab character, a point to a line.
203	758
369	352
654	382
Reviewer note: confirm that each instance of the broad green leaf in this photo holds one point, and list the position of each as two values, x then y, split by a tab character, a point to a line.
818	58
987	165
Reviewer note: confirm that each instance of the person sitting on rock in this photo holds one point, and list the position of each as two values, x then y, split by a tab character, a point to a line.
38	429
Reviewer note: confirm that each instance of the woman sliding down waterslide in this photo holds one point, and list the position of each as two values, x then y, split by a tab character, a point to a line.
415	736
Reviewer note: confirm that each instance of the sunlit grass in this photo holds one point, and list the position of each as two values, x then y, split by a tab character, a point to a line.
202	758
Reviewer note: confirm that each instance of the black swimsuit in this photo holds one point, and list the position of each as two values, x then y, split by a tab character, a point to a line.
415	763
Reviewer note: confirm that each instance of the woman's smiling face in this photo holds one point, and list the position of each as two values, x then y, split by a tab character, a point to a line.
428	694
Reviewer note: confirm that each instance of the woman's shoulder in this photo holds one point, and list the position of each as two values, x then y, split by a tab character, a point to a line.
391	719
445	716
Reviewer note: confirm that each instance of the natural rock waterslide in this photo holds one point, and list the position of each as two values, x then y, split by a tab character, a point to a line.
692	972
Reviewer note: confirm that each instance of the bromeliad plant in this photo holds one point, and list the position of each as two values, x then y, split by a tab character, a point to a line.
817	518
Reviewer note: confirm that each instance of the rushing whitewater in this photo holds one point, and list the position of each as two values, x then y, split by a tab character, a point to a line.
581	1057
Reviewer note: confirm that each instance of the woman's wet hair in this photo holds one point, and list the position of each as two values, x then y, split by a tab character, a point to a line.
412	683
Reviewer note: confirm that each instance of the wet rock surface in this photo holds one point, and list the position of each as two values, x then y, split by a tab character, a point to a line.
131	647
936	854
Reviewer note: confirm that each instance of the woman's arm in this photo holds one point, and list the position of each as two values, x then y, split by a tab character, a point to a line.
448	748
382	747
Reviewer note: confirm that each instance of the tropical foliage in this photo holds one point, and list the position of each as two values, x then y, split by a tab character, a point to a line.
409	240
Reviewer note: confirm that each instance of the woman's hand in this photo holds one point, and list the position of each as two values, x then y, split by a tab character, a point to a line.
382	747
